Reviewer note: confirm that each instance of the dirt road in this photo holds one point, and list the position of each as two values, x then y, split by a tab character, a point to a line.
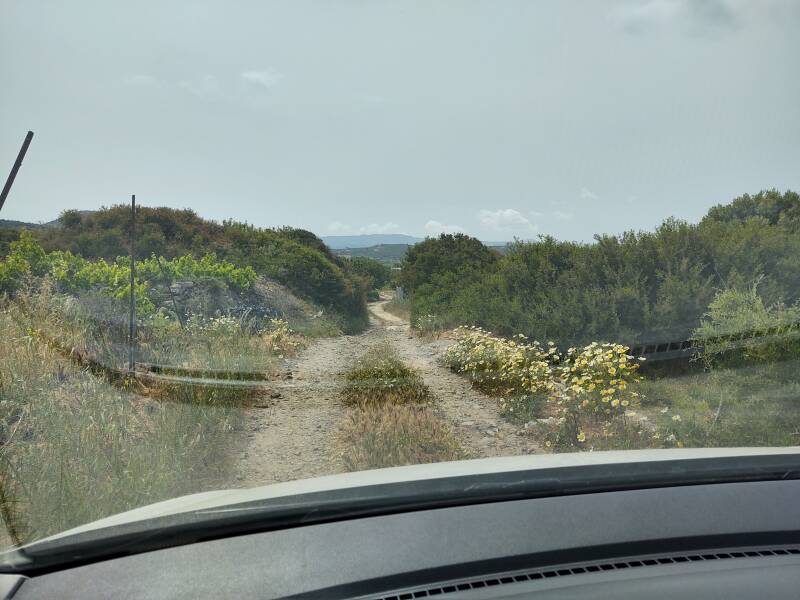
293	436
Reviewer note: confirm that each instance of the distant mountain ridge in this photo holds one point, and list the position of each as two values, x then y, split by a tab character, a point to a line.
10	224
340	242
344	242
334	242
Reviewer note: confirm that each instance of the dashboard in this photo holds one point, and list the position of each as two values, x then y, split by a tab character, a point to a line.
726	540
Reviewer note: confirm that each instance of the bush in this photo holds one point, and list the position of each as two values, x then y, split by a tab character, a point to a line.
583	390
445	254
75	274
428	324
739	329
376	274
294	257
638	287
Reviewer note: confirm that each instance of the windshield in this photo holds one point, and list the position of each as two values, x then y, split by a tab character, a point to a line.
266	242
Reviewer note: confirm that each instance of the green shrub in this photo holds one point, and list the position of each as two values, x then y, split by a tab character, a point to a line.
74	274
294	257
376	274
428	324
638	287
739	329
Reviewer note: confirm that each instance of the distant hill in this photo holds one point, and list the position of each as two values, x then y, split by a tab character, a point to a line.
385	253
340	242
6	224
294	258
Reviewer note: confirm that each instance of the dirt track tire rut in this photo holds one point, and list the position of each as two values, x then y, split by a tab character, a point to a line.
293	436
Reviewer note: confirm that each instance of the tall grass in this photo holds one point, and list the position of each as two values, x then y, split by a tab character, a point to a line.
391	423
758	405
74	447
380	377
393	435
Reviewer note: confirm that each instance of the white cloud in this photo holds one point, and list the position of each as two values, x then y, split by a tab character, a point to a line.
636	17
506	219
641	16
264	79
587	194
435	228
207	85
339	227
535	214
139	80
380	228
562	215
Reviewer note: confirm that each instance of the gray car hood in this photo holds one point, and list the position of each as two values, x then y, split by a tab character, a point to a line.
217	501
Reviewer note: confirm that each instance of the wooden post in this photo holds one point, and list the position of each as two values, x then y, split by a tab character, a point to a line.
132	332
17	164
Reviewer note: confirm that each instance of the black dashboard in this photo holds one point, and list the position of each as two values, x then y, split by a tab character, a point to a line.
731	540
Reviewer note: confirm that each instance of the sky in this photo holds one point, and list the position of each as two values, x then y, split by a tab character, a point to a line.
500	119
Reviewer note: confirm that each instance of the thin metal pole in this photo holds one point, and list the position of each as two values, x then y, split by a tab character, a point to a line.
132	332
15	168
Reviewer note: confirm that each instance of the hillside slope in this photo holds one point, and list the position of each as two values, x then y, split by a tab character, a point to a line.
293	257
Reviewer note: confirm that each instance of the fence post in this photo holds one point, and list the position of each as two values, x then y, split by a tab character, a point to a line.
132	331
17	164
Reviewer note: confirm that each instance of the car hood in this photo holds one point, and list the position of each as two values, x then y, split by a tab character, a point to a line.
218	500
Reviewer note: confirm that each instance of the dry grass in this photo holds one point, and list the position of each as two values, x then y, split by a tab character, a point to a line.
399	308
394	435
74	448
380	377
391	425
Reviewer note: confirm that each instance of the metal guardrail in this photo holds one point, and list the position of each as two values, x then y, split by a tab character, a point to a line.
681	350
192	373
688	349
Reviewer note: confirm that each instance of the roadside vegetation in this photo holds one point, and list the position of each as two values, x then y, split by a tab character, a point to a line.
75	447
593	398
80	436
380	377
391	422
399	308
376	274
638	287
729	284
294	258
571	399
